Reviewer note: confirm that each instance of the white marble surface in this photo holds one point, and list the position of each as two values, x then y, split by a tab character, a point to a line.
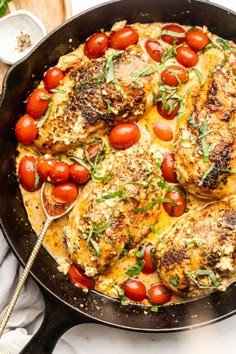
218	338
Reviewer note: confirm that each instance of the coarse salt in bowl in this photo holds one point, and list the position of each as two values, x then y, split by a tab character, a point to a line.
20	32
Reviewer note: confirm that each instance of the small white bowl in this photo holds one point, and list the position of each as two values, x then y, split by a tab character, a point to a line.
14	25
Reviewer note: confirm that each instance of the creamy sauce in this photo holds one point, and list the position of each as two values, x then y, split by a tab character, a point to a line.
54	241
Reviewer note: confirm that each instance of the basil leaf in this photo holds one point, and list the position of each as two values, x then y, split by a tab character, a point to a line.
174	281
154	202
202	272
141	250
136	268
119	193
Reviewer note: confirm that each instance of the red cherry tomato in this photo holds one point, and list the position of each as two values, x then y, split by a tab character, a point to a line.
149	267
44	164
26	130
165	112
173	34
28	174
37	103
124	135
173	75
59	172
93	150
78	173
78	277
159	294
123	38
135	290
96	45
178	206
197	39
186	56
168	167
65	192
163	131
52	78
154	49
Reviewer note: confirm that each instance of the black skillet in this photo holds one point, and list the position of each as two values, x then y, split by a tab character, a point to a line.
66	305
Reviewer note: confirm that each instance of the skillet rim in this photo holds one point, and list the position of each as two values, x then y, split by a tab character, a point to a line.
136	308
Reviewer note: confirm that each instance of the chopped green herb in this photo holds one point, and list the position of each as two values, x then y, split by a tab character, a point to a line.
110	66
205	175
147	71
44	97
195	243
170	53
174	281
222	170
154	229
223	43
203	272
92	107
119	193
95	232
57	90
154	308
46	115
120	294
154	202
136	268
173	34
198	74
3	6
141	250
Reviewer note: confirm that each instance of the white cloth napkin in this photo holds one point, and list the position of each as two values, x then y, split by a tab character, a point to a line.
89	338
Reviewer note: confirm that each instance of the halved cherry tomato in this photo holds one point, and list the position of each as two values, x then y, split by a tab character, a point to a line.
52	78
65	192
26	130
79	278
59	172
197	39
123	38
27	173
124	135
159	294
37	103
93	150
44	164
135	290
174	34
154	49
186	56
163	131
78	173
149	266
178	206
173	75
96	45
168	167
165	112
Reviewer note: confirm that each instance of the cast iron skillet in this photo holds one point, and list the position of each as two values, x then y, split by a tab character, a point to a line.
66	305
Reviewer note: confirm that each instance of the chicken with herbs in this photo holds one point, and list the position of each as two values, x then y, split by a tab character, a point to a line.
197	256
96	95
114	214
206	138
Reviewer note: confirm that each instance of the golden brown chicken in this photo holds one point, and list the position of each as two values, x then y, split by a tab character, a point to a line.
206	138
113	215
197	256
97	94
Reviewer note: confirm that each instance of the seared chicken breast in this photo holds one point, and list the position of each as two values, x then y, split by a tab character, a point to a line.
197	256
113	215
206	138
97	94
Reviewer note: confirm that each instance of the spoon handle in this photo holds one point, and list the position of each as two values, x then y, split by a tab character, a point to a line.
24	276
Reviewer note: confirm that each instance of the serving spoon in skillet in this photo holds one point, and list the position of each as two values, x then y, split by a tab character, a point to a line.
53	210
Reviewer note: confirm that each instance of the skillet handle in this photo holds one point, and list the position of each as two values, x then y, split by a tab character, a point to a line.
58	318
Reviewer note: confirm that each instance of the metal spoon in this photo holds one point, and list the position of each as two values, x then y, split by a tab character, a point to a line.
53	211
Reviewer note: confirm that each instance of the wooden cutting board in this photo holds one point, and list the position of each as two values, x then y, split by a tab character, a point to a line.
51	12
